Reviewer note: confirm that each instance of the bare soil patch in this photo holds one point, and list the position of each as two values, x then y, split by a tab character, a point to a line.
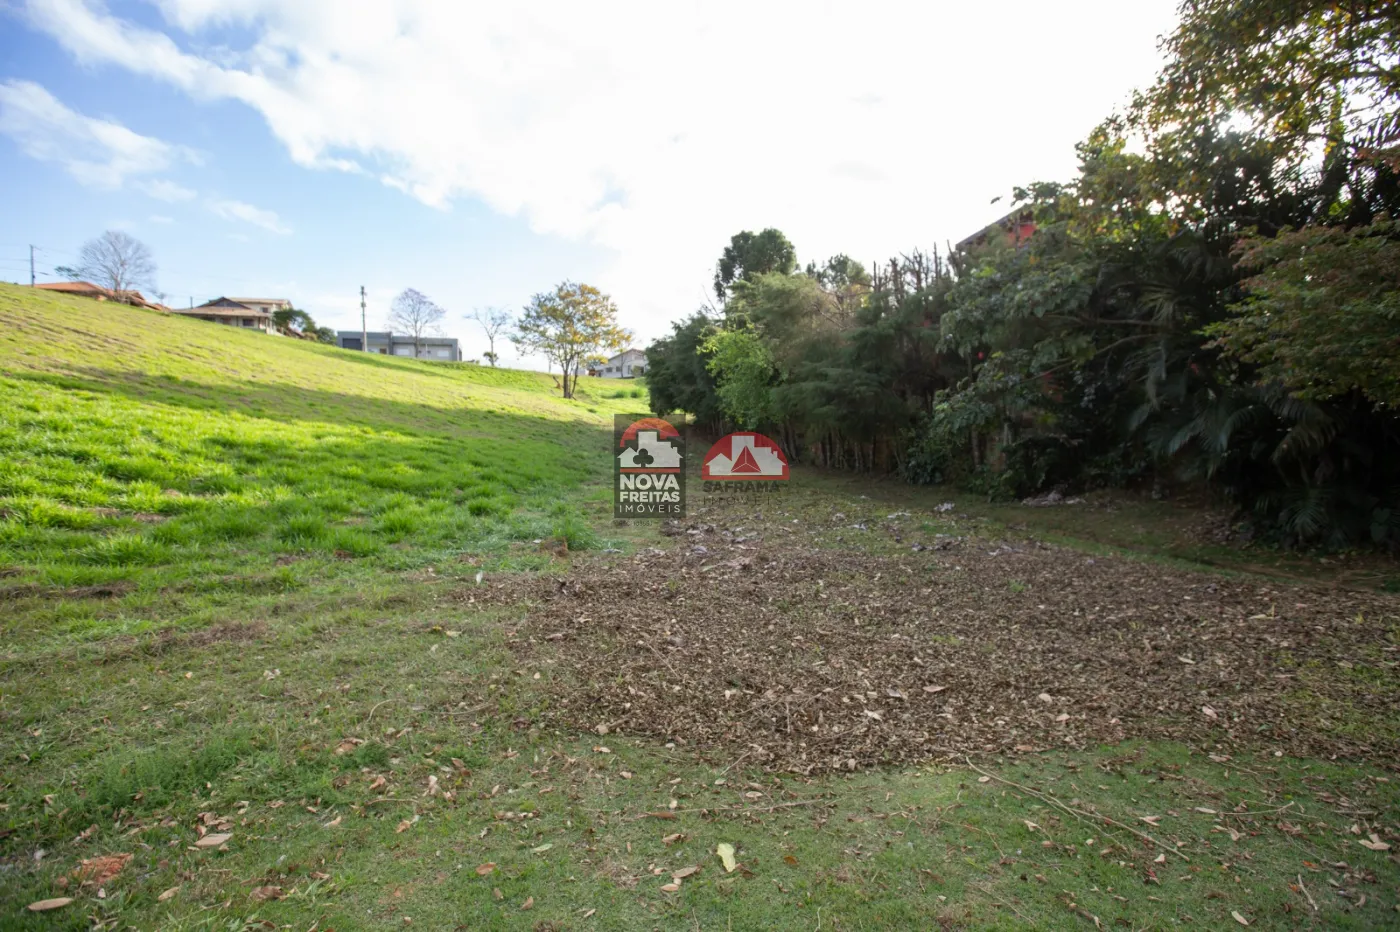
761	646
171	639
109	590
226	633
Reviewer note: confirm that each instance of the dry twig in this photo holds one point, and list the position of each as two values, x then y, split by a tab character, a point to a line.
1086	817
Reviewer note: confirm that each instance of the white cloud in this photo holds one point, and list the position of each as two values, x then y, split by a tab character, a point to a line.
257	216
98	153
164	190
658	130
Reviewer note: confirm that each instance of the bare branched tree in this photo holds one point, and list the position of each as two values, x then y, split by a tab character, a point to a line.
496	322
415	313
115	261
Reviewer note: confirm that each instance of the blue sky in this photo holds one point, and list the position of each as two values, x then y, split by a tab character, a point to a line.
482	154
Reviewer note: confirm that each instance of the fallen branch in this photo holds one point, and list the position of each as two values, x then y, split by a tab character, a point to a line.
740	809
1087	817
1311	901
997	901
376	709
736	761
663	660
1240	815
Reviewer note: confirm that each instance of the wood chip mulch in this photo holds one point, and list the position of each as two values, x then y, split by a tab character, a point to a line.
794	657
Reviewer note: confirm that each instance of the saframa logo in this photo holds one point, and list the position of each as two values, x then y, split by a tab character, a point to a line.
648	468
744	457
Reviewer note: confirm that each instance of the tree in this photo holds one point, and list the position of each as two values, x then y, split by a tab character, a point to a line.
1322	317
677	376
292	320
115	261
1295	68
567	326
415	313
840	271
496	322
1316	78
749	254
743	367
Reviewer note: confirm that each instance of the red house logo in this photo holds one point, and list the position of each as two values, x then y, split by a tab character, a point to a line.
744	457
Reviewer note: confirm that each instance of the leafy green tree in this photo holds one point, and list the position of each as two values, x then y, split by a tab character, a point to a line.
787	309
1128	338
1308	75
752	254
744	373
1322	317
290	320
568	326
1299	69
840	271
678	378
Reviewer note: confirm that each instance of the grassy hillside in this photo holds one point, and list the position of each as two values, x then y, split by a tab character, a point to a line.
146	451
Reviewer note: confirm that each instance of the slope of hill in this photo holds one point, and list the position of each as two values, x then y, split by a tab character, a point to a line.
141	448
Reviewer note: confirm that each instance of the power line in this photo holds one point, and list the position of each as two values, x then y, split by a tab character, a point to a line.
207	279
185	283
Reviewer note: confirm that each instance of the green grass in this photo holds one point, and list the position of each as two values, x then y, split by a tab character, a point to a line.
226	555
1179	532
170	452
141	739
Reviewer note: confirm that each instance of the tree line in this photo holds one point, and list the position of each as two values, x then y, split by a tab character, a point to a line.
1211	299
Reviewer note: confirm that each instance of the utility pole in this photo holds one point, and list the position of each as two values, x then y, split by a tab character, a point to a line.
31	266
364	329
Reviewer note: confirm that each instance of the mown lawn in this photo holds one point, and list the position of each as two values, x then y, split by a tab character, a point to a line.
144	454
246	592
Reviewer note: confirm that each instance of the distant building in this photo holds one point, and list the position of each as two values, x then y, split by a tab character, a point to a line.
231	313
627	364
263	304
397	344
78	289
98	293
1016	227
